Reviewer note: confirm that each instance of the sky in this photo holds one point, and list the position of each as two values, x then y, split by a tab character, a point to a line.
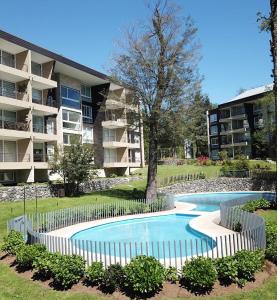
235	54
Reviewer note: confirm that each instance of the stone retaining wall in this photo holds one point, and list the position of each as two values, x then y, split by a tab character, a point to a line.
16	193
221	184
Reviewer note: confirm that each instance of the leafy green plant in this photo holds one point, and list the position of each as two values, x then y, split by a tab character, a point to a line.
26	255
253	205
271	252
237	226
43	264
144	275
112	279
67	270
199	275
94	273
271	233
249	263
171	274
227	270
12	242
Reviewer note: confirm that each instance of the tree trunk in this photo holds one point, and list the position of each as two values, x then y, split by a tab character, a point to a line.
273	44
151	187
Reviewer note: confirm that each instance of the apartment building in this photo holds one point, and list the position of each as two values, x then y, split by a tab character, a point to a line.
47	100
232	124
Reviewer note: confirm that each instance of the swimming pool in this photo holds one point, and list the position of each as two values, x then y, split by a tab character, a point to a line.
149	235
211	201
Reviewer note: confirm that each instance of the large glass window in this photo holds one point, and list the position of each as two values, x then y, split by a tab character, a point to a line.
110	155
69	139
36	68
214	141
214	130
6	177
7	89
87	113
37	96
86	93
213	118
88	135
71	120
8	152
38	124
109	135
7	59
70	97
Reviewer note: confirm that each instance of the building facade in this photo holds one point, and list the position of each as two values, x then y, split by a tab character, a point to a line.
47	100
232	125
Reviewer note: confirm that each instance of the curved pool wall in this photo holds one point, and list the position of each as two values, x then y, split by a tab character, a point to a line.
159	236
211	201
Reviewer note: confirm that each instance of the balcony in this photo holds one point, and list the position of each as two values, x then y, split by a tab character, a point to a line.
117	163
44	108
41	160
135	163
14	130
133	144
14	161
44	133
13	100
115	123
113	142
11	73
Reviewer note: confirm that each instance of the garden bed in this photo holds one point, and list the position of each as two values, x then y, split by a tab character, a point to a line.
169	290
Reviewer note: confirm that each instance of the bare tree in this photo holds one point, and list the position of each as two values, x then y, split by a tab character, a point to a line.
158	61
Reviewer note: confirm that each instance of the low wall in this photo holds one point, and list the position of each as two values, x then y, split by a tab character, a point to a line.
16	193
221	184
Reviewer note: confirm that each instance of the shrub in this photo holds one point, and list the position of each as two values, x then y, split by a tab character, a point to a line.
113	278
271	252
67	270
227	270
199	275
223	155
43	264
249	263
144	275
26	255
271	233
94	273
12	242
202	160
171	275
253	205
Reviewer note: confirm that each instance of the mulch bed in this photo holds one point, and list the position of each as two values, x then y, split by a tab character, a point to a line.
169	290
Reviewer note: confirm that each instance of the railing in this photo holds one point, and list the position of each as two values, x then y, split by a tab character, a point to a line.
40	157
161	182
13	125
252	225
49	102
14	94
115	139
43	129
39	228
15	157
11	63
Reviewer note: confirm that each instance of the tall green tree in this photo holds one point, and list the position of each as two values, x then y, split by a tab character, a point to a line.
158	61
195	124
74	164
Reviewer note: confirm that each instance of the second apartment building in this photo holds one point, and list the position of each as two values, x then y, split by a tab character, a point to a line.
47	100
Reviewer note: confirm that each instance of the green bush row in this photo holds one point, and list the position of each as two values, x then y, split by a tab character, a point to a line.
143	275
253	205
271	242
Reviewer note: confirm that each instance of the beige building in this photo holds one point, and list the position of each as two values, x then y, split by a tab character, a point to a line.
46	100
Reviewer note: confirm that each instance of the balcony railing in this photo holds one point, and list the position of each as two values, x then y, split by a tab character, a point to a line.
114	139
14	157
40	157
11	63
21	126
13	94
49	102
39	128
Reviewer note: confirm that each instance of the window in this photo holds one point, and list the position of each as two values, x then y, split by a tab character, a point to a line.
213	118
87	114
7	59
214	141
38	150
110	155
258	121
7	89
109	135
6	177
71	120
238	110
7	119
36	68
214	154
88	135
69	139
86	93
38	124
8	152
70	97
257	107
214	130
37	96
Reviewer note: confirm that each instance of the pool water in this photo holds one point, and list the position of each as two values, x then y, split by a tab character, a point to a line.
211	201
146	235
